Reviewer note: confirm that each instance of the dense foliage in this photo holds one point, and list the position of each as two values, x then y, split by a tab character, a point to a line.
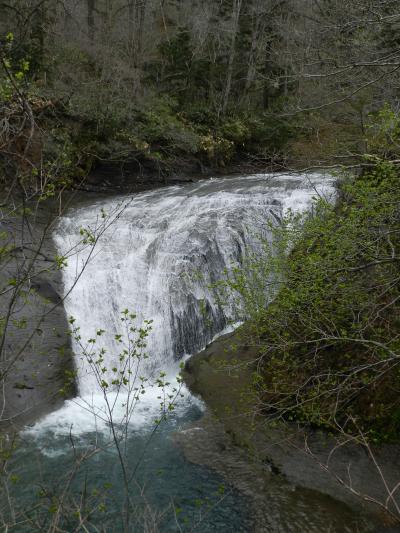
329	342
188	86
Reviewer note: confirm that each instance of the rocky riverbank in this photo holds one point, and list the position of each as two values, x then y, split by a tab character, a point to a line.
234	439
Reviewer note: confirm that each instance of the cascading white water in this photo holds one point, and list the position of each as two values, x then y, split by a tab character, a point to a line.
149	258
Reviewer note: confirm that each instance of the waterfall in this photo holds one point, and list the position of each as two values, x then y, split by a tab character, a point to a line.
149	258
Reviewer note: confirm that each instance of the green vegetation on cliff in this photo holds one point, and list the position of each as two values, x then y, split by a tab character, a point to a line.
329	343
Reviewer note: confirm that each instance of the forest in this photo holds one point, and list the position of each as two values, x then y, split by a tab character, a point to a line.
175	85
111	112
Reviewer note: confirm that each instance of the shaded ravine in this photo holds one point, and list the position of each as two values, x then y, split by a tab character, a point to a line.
149	260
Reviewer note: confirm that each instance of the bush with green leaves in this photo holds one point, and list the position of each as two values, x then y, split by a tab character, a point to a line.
383	133
329	341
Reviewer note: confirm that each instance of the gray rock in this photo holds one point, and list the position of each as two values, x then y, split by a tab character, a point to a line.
36	351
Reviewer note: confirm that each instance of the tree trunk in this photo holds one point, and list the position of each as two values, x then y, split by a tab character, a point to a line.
137	12
91	5
257	29
237	5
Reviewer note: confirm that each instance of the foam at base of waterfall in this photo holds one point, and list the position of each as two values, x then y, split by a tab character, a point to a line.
89	415
85	415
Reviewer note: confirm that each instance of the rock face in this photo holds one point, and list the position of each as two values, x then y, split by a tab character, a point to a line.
36	352
222	376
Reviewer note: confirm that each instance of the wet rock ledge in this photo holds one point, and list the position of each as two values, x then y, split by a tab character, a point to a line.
37	353
256	458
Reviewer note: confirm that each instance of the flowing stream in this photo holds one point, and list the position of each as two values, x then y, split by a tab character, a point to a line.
156	254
